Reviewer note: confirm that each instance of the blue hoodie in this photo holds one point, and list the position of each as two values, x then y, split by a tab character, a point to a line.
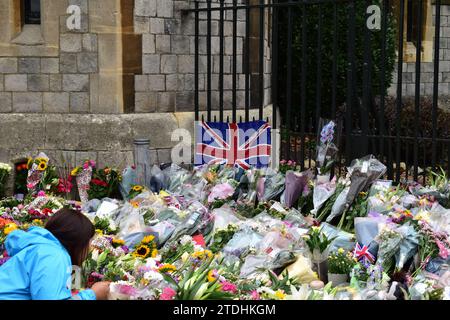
39	268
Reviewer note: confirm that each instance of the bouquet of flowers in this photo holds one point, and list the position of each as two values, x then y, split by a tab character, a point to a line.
5	170
83	176
295	184
41	175
341	262
389	240
104	184
286	166
326	146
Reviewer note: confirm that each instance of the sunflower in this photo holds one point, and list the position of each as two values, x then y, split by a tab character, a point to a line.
137	188
37	222
202	254
29	163
148	239
154	253
42	166
142	252
167	268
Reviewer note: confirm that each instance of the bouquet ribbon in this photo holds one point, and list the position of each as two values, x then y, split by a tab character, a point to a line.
362	253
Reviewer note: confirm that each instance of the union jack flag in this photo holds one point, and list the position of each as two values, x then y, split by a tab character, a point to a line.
243	145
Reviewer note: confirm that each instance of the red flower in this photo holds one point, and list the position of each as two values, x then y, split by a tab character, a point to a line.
47	211
99	182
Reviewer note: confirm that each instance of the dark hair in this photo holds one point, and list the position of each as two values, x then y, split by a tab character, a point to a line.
74	230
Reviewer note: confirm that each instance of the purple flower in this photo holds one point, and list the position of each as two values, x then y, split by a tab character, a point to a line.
125	249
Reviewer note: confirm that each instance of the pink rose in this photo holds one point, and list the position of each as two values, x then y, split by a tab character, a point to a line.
128	290
30	186
167	294
229	287
283	162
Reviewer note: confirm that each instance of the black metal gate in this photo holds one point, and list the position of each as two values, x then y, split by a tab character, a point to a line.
327	58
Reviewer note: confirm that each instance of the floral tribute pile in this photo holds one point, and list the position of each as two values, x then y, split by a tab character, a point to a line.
219	232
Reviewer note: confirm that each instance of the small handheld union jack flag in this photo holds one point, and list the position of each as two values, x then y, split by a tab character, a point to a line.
243	145
361	253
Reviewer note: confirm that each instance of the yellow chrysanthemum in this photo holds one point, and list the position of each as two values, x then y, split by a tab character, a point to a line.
98	231
341	250
10	228
167	268
280	294
148	239
142	252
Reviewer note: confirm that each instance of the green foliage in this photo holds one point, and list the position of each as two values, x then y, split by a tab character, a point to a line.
328	31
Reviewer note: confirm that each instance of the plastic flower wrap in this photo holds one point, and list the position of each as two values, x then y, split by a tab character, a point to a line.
83	178
273	185
129	178
389	241
295	183
36	171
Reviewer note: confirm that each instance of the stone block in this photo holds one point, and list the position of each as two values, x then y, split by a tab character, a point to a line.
56	102
184	101
8	65
145	102
16	82
164	8
55	82
174	82
145	8
82	156
38	82
75	82
79	102
50	65
180	44
172	26
2	77
148	43
5	102
156	82
87	62
169	64
114	159
68	63
157	26
164	155
186	64
162	43
141	25
141	83
29	65
71	42
90	42
151	64
22	134
166	102
25	102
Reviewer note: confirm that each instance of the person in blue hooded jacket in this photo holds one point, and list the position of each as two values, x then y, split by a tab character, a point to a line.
41	259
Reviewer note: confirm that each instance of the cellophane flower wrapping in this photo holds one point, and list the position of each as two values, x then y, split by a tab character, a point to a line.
326	145
129	179
83	180
295	183
322	192
274	183
176	177
34	175
408	244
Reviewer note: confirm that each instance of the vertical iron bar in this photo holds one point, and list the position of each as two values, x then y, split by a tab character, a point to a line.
261	58
319	69
350	81
399	87
289	81
303	88
208	59
221	67
247	63
335	57
366	86
274	81
196	61
381	113
417	106
437	38
234	59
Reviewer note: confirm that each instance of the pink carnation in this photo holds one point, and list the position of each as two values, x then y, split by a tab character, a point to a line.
443	251
229	287
255	295
128	290
167	294
41	194
221	191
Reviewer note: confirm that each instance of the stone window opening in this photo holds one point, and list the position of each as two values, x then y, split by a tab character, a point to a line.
28	20
31	11
20	177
